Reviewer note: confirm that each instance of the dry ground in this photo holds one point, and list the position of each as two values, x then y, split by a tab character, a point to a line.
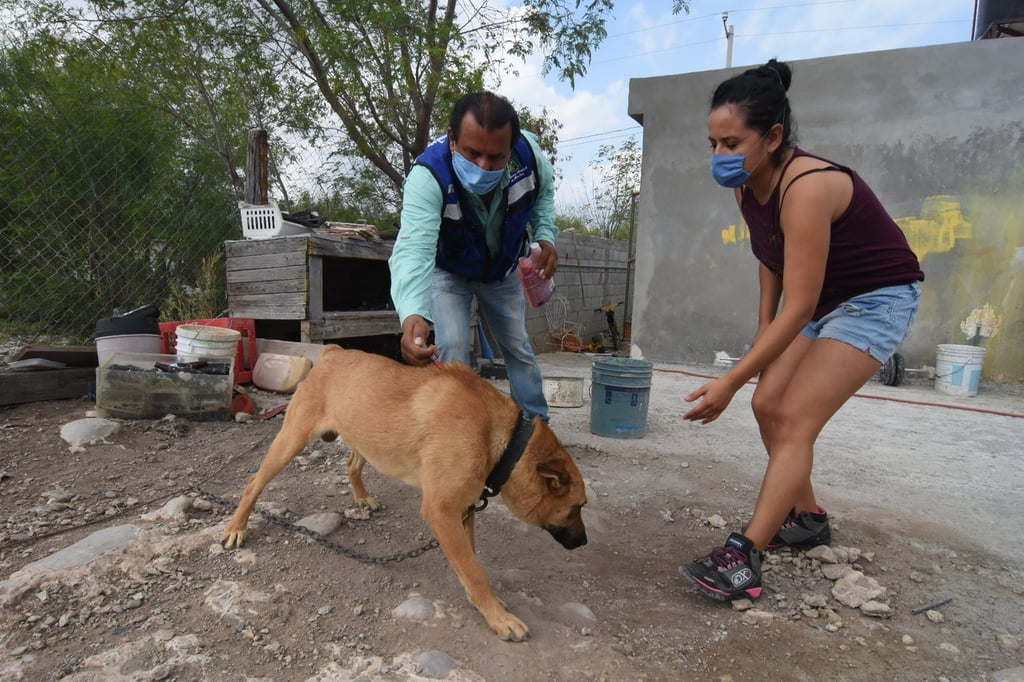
922	498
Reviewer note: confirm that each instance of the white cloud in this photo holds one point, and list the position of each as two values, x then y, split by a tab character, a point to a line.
582	113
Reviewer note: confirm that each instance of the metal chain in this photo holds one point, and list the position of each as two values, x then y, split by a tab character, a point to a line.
341	549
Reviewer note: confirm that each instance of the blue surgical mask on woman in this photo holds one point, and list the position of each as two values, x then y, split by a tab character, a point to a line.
728	170
474	178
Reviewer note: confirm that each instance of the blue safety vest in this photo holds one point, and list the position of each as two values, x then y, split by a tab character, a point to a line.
462	242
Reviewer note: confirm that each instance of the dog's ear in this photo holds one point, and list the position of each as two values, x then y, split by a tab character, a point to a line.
554	471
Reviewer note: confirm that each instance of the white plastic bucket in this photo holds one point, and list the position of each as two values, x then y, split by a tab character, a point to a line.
197	342
958	369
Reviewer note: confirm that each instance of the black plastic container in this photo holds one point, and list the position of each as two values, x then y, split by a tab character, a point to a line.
133	331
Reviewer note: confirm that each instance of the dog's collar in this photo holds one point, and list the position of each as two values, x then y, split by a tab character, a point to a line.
513	451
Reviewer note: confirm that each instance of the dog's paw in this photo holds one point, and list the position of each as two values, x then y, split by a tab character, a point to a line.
232	538
510	628
368	502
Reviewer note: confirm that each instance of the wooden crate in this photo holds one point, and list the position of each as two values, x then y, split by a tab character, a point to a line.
331	287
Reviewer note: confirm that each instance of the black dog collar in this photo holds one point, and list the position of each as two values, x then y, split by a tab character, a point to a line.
513	451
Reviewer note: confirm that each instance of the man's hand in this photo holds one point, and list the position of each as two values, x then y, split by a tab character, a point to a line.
548	260
415	350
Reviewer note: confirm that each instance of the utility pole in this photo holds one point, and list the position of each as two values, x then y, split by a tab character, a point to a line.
729	33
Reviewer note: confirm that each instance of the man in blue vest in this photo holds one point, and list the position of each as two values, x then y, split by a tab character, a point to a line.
470	205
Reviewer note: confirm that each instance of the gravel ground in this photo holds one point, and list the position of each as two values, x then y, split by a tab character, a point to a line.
921	487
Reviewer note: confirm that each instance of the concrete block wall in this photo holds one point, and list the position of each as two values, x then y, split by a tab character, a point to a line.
592	273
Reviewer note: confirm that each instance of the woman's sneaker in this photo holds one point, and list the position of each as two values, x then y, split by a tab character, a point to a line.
803	531
732	571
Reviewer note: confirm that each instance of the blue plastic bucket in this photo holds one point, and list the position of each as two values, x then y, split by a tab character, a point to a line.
620	393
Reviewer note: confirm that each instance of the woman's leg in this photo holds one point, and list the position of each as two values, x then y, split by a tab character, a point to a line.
825	377
796	397
771	386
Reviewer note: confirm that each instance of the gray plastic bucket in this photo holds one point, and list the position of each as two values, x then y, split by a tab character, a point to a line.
620	393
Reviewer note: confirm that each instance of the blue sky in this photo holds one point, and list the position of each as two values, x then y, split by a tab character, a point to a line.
645	39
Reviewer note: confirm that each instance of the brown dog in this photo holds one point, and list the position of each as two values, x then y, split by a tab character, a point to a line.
442	429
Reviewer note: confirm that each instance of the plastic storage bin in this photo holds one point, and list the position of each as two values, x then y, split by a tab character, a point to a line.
151	385
266	221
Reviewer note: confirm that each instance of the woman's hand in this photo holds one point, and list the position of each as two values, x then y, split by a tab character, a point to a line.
714	397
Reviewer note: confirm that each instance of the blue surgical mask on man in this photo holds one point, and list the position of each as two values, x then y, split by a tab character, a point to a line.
474	178
728	170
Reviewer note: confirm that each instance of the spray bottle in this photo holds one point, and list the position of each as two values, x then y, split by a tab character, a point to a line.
538	290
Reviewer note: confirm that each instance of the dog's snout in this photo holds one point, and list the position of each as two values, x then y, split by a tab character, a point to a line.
567	537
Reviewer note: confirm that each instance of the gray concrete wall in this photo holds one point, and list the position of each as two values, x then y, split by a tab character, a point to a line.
938	132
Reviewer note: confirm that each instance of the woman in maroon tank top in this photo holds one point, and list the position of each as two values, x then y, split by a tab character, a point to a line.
851	285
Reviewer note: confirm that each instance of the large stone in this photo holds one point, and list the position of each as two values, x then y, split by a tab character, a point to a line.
1009	675
415	608
88	431
434	664
855	588
84	551
321	523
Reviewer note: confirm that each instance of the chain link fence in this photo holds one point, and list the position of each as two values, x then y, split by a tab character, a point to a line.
96	216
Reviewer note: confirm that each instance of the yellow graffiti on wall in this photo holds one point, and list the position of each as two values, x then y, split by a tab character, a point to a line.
939	226
936	230
730	236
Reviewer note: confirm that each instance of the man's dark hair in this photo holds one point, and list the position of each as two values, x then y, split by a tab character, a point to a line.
491	111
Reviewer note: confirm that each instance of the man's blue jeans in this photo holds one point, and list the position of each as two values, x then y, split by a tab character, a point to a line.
503	307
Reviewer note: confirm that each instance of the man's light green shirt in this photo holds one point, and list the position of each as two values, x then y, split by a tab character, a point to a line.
412	260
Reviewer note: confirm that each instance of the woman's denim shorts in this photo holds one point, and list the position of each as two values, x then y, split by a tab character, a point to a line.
876	322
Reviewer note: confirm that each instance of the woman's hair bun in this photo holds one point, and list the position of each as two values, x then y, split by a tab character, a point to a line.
779	70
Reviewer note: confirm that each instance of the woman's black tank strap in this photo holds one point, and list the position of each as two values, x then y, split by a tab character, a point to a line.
800	175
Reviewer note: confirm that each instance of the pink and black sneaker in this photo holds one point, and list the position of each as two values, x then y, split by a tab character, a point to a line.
730	572
803	531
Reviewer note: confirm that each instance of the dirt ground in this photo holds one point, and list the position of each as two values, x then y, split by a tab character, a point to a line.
925	498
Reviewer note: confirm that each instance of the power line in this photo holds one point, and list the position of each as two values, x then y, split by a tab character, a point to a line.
632	129
664	49
607	139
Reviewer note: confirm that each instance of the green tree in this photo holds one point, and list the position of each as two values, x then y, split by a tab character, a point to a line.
365	83
607	207
103	203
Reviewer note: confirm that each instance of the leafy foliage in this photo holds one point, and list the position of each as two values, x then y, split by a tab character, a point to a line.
365	84
201	300
607	209
103	204
125	124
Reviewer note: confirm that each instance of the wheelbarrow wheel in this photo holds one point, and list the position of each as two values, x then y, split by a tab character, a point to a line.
893	371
